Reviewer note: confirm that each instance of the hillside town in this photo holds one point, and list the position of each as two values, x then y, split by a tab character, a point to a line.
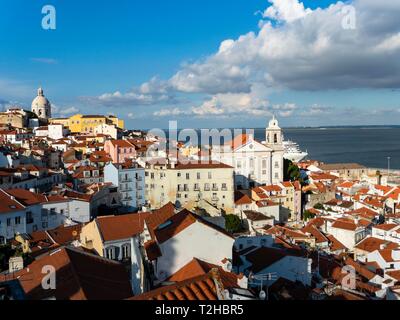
91	210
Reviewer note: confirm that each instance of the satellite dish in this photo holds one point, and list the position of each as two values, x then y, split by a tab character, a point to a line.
262	295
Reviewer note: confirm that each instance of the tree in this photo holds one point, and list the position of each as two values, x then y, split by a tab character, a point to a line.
292	172
233	223
319	206
308	215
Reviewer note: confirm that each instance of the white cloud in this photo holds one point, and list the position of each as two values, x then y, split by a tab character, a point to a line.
296	49
241	105
286	10
58	111
307	50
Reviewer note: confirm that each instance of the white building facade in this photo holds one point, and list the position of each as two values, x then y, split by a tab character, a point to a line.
130	180
255	163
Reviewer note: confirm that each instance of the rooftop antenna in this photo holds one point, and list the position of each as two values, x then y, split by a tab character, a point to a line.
261	278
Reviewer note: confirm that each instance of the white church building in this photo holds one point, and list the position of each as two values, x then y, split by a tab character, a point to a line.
41	106
255	163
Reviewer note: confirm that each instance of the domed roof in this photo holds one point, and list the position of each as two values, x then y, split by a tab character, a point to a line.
40	101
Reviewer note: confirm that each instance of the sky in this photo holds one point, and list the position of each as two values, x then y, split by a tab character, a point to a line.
206	63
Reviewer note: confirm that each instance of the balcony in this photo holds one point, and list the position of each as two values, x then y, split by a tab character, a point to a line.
214	188
214	199
125	180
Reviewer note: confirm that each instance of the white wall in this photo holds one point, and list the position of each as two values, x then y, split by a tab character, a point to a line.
196	241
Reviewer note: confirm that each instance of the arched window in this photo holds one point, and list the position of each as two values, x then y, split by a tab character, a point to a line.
275	138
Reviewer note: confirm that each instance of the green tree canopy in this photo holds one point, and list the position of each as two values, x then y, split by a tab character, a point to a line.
233	223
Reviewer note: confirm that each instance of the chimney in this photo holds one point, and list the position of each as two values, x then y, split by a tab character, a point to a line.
226	265
15	264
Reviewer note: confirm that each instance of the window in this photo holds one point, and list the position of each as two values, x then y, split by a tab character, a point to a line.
29	217
198	175
53	211
224	188
17	220
178	174
110	253
264	164
239	164
8	222
45	225
251	163
207	187
187	176
209	175
126	251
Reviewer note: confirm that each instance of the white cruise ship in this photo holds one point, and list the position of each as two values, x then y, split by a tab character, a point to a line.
293	152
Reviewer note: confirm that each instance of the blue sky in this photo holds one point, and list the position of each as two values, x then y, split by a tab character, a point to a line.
104	47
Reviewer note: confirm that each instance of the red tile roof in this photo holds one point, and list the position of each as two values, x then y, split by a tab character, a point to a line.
201	165
386	226
159	216
198	288
371	244
7	204
335	244
241	198
79	276
198	267
121	227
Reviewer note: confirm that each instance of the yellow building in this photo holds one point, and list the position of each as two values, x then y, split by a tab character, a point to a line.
87	123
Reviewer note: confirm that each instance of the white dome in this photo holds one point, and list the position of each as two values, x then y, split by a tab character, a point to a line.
41	106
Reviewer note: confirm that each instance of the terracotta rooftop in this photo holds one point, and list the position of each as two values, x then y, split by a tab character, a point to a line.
201	288
371	244
386	226
7	204
198	267
335	244
80	276
241	198
64	235
202	165
121	227
159	216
